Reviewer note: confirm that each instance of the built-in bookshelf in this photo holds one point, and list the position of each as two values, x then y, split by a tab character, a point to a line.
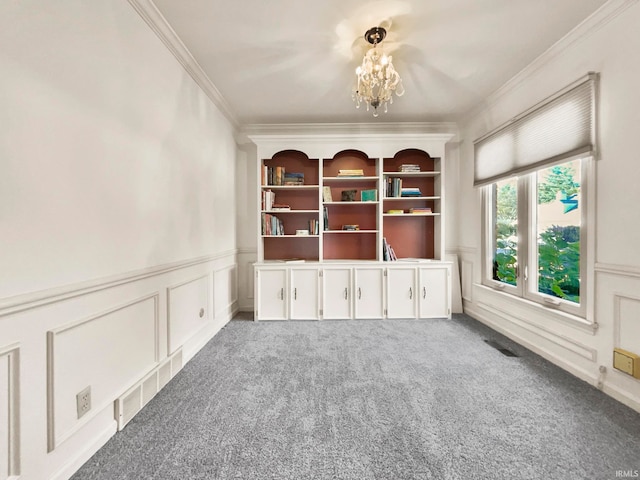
351	225
289	207
412	204
351	206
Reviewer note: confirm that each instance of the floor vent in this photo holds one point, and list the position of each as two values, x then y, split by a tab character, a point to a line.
132	401
501	348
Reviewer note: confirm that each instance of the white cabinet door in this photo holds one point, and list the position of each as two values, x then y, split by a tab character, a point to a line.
369	292
304	294
336	293
271	294
401	292
435	300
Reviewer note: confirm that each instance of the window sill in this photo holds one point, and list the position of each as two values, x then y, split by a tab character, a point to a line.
556	315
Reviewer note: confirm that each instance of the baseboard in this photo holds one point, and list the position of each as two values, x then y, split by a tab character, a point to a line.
597	381
73	465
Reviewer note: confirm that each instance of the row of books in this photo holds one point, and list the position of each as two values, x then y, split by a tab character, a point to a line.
271	225
394	188
409	168
314	227
388	255
352	172
279	176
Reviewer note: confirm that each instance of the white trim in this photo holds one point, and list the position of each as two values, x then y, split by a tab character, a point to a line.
468	250
591	24
154	18
72	466
560	340
28	301
52	440
567	318
349	129
621	270
208	313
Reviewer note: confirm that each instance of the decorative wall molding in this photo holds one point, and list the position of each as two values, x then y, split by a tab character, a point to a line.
28	301
563	341
619	339
598	19
233	284
9	411
519	302
54	436
467	280
173	343
468	250
620	270
152	16
346	129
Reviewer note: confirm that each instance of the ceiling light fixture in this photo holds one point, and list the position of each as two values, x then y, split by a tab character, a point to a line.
377	79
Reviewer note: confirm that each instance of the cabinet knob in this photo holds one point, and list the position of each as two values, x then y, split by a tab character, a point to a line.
201	313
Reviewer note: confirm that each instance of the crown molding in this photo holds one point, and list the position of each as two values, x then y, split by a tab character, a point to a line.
591	24
346	129
152	16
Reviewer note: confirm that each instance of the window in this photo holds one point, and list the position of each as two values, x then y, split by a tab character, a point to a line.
536	240
536	173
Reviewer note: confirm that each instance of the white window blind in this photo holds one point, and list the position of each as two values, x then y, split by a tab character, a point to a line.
561	127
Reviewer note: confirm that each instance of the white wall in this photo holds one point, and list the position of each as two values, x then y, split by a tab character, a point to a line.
117	221
610	46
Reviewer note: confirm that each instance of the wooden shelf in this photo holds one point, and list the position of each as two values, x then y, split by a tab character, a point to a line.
278	212
290	236
355	202
409	198
349	179
349	231
411	174
290	187
432	214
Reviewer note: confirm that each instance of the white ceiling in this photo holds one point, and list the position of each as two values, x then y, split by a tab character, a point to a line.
290	61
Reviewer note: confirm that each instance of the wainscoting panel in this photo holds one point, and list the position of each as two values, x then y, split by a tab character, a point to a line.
467	280
188	310
226	291
106	353
626	326
9	425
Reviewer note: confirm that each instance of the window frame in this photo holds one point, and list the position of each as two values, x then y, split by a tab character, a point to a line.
526	274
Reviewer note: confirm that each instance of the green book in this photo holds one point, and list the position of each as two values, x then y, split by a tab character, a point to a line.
369	195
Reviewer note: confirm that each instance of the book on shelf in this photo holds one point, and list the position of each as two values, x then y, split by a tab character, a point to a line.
280	207
325	214
294	178
393	187
395	211
351	228
420	210
351	172
268	198
273	175
369	195
326	194
271	225
388	255
409	167
314	227
410	192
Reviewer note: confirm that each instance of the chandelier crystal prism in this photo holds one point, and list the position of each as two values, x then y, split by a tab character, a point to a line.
377	80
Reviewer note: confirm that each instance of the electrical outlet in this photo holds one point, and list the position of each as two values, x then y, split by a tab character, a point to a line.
83	401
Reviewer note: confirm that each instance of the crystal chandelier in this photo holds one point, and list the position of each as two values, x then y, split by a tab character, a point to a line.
377	79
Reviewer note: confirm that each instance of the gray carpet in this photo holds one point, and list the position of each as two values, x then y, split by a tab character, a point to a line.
388	399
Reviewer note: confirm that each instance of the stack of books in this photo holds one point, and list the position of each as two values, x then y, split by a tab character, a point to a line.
353	172
408	168
420	210
280	207
410	192
294	178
